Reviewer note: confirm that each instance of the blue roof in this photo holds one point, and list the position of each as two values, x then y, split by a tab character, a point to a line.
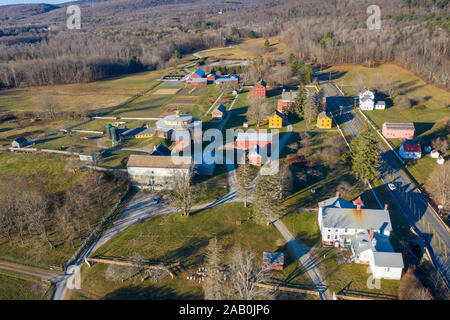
200	72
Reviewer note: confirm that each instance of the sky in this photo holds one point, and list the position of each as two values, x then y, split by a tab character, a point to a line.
4	2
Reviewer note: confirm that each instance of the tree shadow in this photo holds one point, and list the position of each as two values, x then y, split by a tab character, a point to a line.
149	293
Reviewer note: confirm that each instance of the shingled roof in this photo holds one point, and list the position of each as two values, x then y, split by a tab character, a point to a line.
159	162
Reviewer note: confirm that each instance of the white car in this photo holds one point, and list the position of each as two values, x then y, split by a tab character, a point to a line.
392	186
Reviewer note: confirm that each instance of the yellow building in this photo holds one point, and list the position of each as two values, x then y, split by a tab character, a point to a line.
324	121
276	120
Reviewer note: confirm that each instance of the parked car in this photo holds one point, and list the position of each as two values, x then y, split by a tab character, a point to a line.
392	186
156	200
84	138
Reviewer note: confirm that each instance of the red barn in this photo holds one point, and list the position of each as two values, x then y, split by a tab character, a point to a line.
247	140
259	90
273	260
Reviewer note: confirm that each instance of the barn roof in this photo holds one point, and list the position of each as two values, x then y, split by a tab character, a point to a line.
398	126
200	72
174	162
412	146
254	136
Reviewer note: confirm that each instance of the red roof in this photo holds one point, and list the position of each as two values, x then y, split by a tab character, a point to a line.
412	147
358	201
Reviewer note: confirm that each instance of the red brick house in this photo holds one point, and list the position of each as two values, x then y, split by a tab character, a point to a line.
287	99
259	90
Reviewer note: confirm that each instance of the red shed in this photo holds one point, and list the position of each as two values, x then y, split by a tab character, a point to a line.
273	260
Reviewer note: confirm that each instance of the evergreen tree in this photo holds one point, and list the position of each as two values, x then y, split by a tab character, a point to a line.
244	179
311	109
268	196
364	155
214	285
298	105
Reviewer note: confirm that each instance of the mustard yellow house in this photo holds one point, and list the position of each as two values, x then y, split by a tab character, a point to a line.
324	121
276	120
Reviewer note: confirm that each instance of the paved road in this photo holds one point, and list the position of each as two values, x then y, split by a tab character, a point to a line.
302	255
408	198
139	208
31	271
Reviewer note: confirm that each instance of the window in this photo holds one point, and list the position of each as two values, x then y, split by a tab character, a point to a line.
346	230
328	237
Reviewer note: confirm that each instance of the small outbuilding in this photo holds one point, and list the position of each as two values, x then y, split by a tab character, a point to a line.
380	105
273	260
219	112
410	150
20	143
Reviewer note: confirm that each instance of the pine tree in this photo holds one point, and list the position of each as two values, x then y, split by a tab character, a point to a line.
298	105
213	286
268	196
244	179
311	109
364	155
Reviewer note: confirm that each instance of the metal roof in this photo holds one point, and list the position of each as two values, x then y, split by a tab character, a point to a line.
200	72
388	259
254	136
398	126
339	213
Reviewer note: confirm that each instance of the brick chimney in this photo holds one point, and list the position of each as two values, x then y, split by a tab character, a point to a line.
371	234
385	206
337	194
358	207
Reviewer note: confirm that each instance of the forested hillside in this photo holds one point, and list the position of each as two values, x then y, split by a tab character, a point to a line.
125	36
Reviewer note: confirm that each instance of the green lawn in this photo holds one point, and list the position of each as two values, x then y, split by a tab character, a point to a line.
14	288
352	275
176	238
304	226
70	142
89	96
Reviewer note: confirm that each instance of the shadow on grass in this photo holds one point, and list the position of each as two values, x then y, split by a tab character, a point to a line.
149	293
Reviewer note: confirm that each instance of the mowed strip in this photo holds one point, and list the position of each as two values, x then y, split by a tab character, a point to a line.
184	100
166	91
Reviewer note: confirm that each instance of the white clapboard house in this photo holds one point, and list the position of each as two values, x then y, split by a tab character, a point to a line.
364	231
366	100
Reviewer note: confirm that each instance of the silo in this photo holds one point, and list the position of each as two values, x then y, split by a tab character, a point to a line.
114	134
108	131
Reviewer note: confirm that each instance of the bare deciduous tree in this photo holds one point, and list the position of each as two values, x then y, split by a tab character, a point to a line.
181	195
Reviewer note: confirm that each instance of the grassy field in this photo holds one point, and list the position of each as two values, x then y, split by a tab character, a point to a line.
227	53
176	238
88	96
14	288
304	225
53	174
13	129
70	142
